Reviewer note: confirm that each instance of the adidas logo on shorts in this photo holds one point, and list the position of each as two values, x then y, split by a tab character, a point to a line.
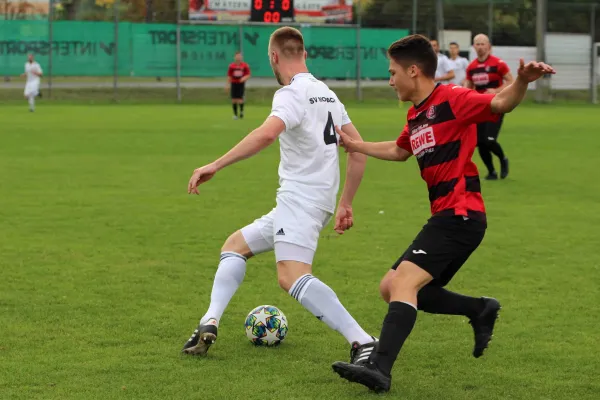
280	232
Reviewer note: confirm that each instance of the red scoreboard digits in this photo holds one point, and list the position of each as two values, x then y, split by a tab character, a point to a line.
272	11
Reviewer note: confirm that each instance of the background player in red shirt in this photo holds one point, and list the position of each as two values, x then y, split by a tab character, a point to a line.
489	74
441	134
237	75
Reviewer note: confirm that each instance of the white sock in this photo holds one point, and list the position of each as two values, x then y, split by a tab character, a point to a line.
228	279
319	299
32	102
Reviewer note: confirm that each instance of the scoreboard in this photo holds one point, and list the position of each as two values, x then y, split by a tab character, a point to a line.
272	11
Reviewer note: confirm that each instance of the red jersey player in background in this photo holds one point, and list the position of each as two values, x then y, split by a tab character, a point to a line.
489	74
441	134
237	75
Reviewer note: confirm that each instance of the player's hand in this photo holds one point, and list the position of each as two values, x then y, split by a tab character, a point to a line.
346	141
343	219
201	175
534	70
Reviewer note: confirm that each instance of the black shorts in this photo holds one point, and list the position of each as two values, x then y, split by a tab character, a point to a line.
444	245
237	90
487	130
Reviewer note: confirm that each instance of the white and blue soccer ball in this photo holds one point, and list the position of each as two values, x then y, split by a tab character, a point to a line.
266	326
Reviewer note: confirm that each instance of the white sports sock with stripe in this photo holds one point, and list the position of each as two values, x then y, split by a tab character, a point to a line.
228	279
322	302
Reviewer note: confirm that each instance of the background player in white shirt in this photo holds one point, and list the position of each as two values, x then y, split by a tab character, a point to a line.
445	68
33	72
460	65
304	115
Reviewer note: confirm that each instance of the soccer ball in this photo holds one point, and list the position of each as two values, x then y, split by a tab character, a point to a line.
266	326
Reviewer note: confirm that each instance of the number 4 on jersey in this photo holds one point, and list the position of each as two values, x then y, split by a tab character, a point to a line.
329	132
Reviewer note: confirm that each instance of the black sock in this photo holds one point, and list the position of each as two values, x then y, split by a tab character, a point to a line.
397	325
242	108
437	300
486	157
496	149
235	109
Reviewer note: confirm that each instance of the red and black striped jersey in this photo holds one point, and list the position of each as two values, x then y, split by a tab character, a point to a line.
488	74
442	135
237	71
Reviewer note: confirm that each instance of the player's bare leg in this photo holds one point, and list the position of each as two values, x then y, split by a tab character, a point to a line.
228	278
296	278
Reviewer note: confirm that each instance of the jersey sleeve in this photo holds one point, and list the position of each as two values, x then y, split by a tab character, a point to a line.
287	106
246	69
468	71
403	140
345	117
471	107
230	72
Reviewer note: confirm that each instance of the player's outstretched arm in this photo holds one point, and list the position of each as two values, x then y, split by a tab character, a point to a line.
254	142
510	97
355	170
388	151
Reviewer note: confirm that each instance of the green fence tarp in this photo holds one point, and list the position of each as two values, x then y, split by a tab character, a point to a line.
88	49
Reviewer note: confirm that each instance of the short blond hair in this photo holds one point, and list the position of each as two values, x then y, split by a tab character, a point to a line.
289	41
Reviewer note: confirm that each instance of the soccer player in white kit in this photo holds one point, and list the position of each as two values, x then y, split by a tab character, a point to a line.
33	72
460	65
304	115
445	68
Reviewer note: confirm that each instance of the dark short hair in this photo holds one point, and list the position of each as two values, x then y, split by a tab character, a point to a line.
414	50
454	43
289	41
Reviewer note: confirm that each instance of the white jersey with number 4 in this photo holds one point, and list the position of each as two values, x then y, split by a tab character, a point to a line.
309	168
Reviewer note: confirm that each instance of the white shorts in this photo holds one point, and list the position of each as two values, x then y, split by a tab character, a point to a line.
32	89
292	229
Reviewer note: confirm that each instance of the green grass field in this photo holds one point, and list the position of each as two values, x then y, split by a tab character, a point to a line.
107	263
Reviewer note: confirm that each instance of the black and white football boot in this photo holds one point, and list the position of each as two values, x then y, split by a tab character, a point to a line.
203	337
483	325
362	370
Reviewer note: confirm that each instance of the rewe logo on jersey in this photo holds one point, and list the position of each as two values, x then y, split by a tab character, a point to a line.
422	140
481	79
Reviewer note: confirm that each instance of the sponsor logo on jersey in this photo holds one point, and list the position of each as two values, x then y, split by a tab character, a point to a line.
422	140
481	79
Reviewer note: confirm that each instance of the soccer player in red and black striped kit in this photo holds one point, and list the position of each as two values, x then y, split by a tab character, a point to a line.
489	74
441	134
237	75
